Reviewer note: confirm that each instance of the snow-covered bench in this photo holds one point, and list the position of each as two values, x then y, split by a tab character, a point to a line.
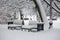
14	26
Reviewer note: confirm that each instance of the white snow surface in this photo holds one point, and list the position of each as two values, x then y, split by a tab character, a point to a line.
56	23
52	34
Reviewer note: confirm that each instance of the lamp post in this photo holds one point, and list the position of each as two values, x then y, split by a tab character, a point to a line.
50	14
51	9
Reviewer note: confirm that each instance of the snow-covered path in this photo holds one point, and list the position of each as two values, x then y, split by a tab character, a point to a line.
53	34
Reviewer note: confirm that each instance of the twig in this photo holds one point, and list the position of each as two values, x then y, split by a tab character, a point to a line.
52	7
56	6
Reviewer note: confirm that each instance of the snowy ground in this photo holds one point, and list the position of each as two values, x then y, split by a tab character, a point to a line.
52	34
5	34
56	23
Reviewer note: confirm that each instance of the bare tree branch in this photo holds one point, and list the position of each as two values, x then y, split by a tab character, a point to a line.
57	0
52	7
56	6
